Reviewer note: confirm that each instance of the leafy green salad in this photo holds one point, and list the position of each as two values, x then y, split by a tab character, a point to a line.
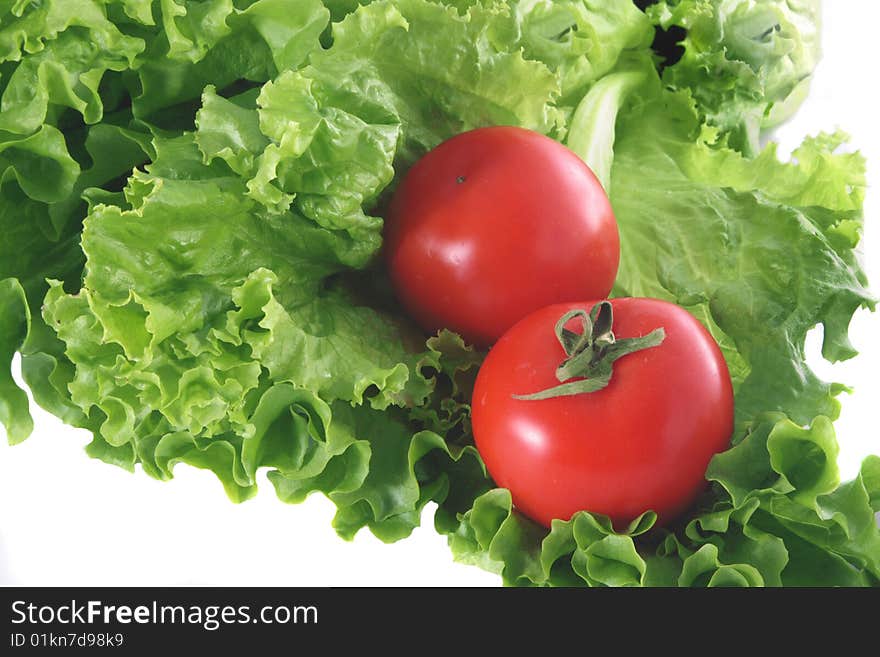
191	212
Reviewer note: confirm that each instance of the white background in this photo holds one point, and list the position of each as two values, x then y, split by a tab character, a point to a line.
66	519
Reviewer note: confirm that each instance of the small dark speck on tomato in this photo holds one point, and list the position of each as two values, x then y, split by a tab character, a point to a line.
460	179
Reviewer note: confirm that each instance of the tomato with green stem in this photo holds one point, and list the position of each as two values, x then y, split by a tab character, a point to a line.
614	407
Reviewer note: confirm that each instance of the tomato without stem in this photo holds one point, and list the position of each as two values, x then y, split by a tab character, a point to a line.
641	443
494	224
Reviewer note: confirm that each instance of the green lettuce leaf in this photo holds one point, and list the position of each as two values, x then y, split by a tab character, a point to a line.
65	70
201	301
14	320
429	68
580	41
223	44
754	247
746	245
747	64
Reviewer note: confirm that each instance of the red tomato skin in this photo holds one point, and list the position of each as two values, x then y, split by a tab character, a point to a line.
496	223
643	442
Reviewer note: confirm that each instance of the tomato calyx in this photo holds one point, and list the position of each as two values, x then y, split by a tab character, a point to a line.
590	354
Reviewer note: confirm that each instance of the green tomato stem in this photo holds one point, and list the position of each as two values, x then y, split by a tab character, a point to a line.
590	354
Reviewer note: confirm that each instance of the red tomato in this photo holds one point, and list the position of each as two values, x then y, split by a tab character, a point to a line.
494	224
643	442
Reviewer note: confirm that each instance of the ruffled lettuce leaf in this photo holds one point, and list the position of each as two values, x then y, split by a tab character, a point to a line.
220	289
759	260
747	64
220	43
580	41
434	71
40	223
70	73
68	48
14	319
